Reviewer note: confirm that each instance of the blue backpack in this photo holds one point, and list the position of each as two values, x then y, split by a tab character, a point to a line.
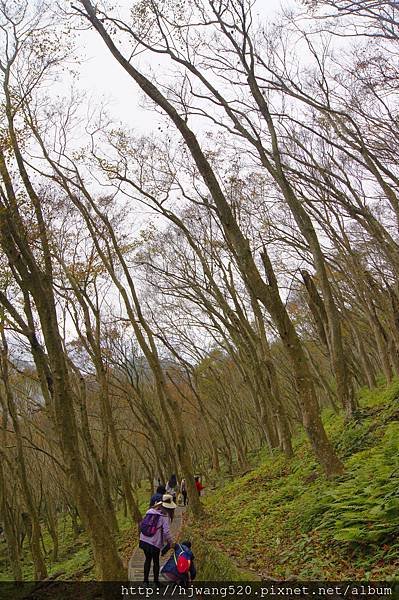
149	524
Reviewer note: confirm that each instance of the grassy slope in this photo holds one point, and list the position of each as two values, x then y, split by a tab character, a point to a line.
283	519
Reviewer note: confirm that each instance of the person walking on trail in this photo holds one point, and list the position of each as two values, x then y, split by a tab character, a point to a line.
155	533
157	497
171	486
183	491
198	485
180	567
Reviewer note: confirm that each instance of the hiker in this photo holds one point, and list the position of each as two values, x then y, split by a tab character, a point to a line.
198	485
183	491
180	567
171	486
157	497
155	533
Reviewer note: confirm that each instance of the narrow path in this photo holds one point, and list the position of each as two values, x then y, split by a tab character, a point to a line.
136	562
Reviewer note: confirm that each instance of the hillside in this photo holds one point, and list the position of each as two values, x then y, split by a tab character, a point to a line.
283	519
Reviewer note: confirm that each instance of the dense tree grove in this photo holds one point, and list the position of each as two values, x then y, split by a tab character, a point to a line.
172	302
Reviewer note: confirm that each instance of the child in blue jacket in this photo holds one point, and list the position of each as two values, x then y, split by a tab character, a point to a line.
182	558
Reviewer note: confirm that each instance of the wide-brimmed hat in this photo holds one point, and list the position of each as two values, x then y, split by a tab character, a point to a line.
167	501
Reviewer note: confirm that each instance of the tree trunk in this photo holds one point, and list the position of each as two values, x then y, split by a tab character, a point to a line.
9	530
328	324
73	513
52	526
368	368
99	465
35	529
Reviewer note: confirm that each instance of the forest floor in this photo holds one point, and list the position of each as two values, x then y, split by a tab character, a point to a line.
282	519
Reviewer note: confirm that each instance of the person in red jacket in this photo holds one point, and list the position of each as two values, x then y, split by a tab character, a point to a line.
198	485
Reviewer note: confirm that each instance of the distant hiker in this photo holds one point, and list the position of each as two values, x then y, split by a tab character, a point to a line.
198	485
180	567
183	491
157	497
155	533
171	486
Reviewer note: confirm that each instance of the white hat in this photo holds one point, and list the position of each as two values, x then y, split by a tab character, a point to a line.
167	501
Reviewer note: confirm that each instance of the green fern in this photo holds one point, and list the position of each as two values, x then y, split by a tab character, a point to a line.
363	508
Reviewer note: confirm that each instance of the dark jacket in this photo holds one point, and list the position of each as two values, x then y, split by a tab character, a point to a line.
169	570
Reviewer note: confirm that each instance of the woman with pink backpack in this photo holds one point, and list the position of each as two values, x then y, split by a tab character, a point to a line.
155	533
